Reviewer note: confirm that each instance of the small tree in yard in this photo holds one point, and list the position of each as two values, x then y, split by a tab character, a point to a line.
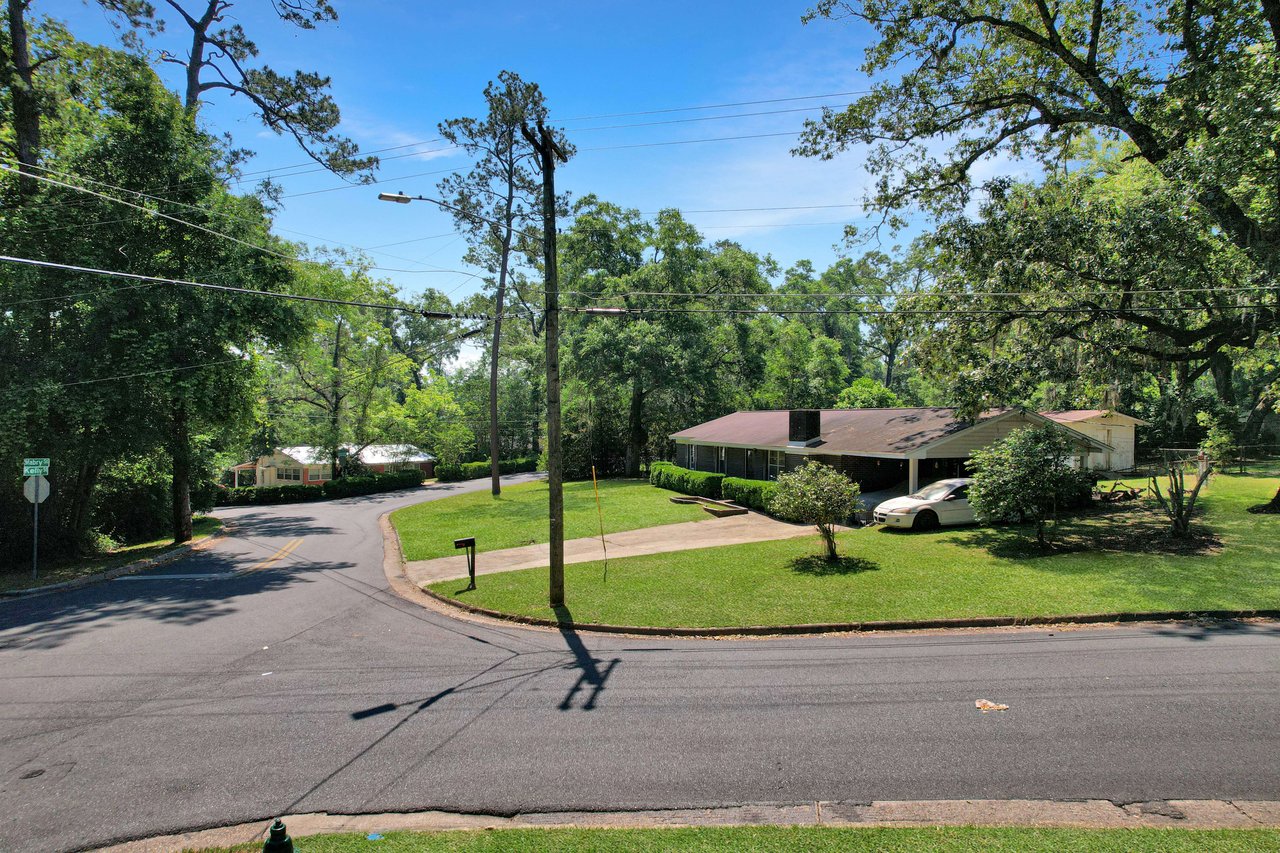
1024	476
1178	504
817	494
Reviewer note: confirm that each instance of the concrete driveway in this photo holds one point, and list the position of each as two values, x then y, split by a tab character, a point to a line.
685	536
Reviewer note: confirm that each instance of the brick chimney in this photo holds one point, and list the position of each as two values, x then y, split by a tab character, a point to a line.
805	428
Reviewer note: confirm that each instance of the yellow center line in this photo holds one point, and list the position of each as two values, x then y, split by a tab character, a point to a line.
284	551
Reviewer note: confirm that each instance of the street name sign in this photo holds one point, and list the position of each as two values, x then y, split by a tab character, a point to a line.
35	467
36	489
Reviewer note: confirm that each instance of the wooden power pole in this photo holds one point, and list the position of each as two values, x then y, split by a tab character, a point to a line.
549	152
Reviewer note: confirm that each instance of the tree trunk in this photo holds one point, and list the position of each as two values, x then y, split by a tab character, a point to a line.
26	105
79	513
890	361
829	541
180	451
1221	367
1274	504
635	430
495	447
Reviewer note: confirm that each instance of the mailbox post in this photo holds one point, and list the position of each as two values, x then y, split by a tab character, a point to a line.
470	544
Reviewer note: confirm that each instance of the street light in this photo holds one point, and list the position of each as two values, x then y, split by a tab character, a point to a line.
398	198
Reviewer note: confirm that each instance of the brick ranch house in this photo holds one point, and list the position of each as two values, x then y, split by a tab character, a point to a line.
879	448
310	465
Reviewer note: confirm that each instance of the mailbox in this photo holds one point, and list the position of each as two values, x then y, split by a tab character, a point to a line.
469	543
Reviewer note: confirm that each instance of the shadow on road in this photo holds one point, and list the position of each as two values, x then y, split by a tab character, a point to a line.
46	622
592	676
266	525
1200	631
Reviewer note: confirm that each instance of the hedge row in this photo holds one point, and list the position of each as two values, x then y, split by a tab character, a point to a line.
666	475
345	487
475	470
755	494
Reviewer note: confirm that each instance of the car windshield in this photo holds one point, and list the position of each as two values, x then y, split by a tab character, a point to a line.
932	492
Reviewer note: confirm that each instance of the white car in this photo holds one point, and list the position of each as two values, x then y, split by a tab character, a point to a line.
943	502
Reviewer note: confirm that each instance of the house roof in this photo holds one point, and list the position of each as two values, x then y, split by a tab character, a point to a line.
374	454
1069	416
843	430
880	432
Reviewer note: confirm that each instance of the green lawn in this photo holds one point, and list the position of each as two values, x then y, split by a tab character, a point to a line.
20	577
959	572
519	516
787	839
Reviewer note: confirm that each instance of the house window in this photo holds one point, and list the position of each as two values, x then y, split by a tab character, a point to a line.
720	460
318	472
777	463
294	474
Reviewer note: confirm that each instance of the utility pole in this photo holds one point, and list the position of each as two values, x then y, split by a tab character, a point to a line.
334	411
548	151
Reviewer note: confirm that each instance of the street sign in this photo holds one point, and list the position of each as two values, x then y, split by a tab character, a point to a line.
35	467
36	489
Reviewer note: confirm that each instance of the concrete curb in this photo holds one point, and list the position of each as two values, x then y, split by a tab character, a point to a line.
862	627
120	571
1073	814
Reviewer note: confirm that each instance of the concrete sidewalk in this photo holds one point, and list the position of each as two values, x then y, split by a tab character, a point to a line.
732	530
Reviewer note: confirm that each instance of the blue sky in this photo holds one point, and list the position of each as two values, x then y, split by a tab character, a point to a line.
399	68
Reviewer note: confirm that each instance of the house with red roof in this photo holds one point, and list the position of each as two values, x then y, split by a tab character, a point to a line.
879	448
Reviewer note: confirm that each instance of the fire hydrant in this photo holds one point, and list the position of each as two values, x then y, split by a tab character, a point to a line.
278	840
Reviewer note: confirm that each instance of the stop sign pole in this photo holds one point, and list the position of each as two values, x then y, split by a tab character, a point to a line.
35	489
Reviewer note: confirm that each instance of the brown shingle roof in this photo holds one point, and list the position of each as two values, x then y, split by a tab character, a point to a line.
843	430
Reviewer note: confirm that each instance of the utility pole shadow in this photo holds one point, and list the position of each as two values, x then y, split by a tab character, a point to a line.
592	678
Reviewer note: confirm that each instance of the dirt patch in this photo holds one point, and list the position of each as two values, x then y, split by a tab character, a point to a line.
1128	528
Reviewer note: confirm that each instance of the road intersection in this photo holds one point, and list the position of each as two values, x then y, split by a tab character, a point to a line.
277	672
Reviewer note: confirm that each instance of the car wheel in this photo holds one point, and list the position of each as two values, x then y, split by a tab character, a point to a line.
925	520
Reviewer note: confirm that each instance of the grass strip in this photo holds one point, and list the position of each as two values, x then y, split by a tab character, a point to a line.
1116	558
19	578
787	839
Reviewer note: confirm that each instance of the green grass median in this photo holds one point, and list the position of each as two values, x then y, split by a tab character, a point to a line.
519	516
1111	559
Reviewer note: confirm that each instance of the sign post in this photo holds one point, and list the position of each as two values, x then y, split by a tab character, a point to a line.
35	489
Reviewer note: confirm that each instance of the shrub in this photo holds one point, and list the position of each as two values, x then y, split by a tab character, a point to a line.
344	487
750	493
372	483
476	470
132	500
1025	475
817	494
284	494
705	484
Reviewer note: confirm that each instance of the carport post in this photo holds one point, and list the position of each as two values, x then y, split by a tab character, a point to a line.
913	476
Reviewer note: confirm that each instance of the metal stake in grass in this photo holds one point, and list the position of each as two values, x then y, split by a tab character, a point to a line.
600	515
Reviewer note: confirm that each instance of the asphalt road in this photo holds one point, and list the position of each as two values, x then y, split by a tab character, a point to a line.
286	677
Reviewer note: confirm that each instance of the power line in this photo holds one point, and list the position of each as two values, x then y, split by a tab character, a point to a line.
620	311
130	375
226	288
721	106
206	229
776	294
690	141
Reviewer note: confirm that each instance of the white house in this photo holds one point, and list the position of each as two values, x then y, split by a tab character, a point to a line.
310	465
1112	428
